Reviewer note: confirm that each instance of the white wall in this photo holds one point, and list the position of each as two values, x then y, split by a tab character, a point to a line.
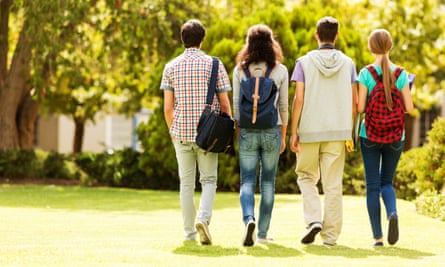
56	133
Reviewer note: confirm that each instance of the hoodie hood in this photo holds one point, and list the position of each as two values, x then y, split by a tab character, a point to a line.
328	62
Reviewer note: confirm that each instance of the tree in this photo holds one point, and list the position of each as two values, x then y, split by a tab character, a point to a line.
136	35
44	28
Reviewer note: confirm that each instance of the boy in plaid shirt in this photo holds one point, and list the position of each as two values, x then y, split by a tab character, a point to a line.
184	82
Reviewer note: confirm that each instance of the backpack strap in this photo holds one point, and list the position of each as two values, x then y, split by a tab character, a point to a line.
397	73
377	77
246	71
212	83
374	74
269	71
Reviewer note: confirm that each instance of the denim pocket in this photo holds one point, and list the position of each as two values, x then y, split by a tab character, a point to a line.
272	140
368	144
397	146
246	140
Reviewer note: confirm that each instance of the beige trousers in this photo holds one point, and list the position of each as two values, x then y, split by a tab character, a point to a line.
325	160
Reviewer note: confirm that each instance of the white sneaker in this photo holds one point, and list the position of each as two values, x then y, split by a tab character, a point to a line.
312	230
248	239
264	240
204	234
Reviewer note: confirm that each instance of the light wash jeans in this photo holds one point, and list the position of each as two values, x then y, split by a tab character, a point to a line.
258	147
188	154
380	161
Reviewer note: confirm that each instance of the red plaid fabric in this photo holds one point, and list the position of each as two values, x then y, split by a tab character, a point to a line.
382	124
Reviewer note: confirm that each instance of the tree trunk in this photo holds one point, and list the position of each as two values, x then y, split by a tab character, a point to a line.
79	130
12	91
26	118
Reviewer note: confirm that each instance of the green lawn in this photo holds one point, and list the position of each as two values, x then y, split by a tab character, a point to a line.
43	225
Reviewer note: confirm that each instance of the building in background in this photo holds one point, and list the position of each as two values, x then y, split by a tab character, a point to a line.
110	132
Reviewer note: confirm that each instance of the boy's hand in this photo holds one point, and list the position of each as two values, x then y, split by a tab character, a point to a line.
349	145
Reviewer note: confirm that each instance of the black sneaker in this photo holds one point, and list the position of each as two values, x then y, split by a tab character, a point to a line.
393	229
248	239
312	230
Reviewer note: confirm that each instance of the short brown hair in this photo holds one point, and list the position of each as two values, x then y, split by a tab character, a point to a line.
192	33
327	29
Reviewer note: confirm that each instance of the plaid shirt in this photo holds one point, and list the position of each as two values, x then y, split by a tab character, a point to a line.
188	76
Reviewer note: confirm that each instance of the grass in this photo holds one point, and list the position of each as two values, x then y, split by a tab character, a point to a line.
43	225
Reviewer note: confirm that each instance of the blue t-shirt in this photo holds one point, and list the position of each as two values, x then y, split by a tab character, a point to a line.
365	78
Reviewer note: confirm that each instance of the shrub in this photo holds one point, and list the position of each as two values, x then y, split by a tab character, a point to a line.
37	164
423	169
93	165
19	164
158	159
431	164
354	174
123	170
431	204
406	176
59	166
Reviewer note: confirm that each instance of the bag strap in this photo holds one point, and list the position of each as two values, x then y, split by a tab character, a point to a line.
255	98
374	74
269	70
246	71
212	84
376	77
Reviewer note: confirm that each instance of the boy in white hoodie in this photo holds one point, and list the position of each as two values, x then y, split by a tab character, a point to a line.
322	121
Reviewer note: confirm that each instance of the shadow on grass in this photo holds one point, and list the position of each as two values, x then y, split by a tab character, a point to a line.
195	249
271	250
347	252
263	250
275	250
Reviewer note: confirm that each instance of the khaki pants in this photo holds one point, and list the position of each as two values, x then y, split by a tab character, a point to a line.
325	159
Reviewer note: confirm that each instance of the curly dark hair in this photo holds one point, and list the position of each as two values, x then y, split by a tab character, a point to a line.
260	47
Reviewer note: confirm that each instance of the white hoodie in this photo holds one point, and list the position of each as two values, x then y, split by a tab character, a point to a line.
327	108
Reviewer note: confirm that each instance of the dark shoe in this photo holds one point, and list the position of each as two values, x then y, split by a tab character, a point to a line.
248	239
204	234
312	230
378	244
393	229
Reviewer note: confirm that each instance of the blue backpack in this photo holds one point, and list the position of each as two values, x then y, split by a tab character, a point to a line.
257	101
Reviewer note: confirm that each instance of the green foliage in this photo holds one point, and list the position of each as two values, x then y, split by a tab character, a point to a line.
431	167
353	175
94	165
17	164
118	168
228	172
411	22
431	204
423	169
286	180
158	160
405	176
37	164
60	166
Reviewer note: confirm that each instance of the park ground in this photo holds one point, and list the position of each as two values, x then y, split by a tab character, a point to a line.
49	225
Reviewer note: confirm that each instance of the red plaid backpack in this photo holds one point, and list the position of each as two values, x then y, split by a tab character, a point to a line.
384	125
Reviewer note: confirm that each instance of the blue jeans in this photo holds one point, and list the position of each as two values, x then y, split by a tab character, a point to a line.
380	161
258	147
